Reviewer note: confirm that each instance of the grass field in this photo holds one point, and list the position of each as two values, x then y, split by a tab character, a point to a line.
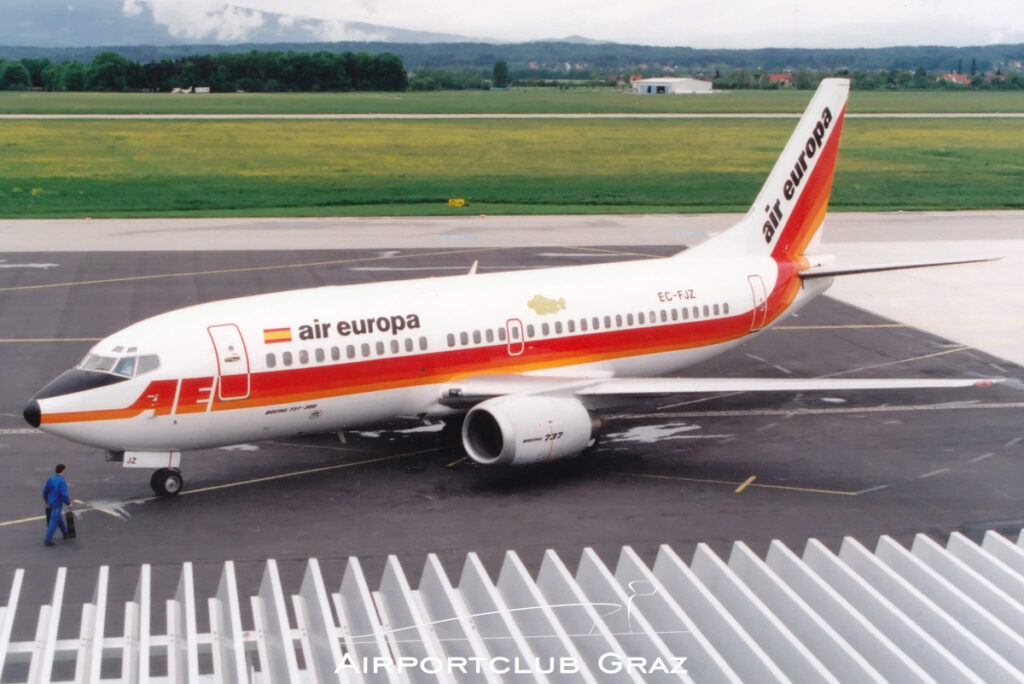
140	168
603	100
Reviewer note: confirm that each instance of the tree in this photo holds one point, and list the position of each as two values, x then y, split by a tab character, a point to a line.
71	76
35	68
499	75
49	78
108	71
14	76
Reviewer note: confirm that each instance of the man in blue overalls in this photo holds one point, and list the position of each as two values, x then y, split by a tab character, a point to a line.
55	494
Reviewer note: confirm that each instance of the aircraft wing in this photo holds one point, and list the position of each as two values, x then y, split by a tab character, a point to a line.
472	390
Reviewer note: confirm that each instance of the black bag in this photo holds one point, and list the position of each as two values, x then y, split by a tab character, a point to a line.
69	521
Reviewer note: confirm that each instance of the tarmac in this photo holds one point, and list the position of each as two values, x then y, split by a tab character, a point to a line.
712	469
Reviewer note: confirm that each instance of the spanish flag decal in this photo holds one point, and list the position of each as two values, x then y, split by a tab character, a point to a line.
272	335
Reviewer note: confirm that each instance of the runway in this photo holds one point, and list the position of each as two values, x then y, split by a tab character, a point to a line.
500	115
712	469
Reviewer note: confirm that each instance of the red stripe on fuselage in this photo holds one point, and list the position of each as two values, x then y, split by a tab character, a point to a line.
315	382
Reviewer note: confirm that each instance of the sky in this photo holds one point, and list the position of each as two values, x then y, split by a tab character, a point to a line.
694	23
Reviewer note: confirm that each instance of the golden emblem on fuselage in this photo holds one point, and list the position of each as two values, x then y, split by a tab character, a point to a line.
545	305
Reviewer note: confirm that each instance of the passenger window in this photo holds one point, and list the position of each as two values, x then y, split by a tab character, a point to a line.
725	308
303	356
286	358
423	343
706	312
364	349
696	312
571	325
618	320
558	327
664	316
501	334
271	360
451	339
583	325
463	338
489	335
380	348
350	351
675	315
640	318
409	346
530	332
686	314
476	337
715	309
607	322
394	347
147	362
319	355
335	354
545	329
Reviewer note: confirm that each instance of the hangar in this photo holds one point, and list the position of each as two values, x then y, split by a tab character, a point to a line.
670	86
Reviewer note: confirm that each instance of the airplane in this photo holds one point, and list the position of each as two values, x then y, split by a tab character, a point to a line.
524	360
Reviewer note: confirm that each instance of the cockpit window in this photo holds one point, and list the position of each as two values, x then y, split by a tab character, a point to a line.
147	362
98	363
126	366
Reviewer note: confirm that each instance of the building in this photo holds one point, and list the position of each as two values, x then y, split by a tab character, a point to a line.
781	80
672	86
959	79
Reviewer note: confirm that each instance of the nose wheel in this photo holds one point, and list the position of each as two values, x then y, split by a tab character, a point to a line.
167	481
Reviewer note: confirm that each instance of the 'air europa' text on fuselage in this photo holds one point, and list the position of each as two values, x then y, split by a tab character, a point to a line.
318	330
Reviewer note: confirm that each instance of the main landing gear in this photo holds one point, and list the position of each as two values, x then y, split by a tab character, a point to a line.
166	481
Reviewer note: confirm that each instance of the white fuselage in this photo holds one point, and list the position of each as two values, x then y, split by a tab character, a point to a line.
328	358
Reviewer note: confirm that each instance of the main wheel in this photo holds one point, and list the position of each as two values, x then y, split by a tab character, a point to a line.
166	482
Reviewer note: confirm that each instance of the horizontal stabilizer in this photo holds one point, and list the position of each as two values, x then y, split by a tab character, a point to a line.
830	271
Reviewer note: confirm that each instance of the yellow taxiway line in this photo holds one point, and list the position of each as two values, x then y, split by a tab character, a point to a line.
740	486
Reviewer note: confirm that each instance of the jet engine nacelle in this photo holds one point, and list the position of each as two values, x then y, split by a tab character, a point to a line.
516	430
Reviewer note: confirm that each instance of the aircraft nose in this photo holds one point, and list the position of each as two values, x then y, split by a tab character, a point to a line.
32	414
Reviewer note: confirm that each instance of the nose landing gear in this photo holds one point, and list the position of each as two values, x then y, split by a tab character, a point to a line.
166	481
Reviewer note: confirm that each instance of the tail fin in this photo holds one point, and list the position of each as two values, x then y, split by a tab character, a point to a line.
792	204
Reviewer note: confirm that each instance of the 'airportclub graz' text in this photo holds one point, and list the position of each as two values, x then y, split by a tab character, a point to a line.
318	330
811	148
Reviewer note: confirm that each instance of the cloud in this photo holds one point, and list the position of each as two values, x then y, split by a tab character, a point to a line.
698	23
199	19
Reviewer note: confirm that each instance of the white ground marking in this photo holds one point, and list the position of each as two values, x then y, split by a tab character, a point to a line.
872	489
933	473
833	400
651	434
240	447
4	264
1014	442
112	507
982	457
20	431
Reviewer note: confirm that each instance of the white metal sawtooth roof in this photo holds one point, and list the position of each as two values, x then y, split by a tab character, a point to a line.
952	613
